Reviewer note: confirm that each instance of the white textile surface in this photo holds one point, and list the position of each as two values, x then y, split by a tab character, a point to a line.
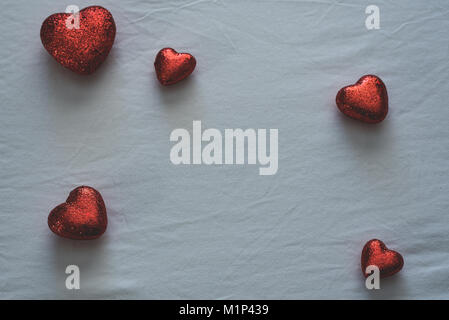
225	232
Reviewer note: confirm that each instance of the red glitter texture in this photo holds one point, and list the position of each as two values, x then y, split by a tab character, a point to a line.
84	49
172	67
376	253
82	216
366	100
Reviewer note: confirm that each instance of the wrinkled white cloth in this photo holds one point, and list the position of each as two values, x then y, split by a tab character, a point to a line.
225	232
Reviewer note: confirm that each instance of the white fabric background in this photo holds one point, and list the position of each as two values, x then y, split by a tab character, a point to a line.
225	232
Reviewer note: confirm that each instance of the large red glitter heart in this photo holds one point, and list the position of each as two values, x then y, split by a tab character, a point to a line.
81	48
366	100
376	253
171	67
82	216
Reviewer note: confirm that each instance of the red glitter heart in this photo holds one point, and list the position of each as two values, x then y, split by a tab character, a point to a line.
82	216
82	49
171	67
376	253
366	100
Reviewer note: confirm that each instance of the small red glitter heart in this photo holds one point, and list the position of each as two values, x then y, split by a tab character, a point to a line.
366	100
376	253
82	216
81	47
171	67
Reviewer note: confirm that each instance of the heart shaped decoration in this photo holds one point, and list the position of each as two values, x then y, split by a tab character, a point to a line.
376	253
366	100
80	41
172	67
81	217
